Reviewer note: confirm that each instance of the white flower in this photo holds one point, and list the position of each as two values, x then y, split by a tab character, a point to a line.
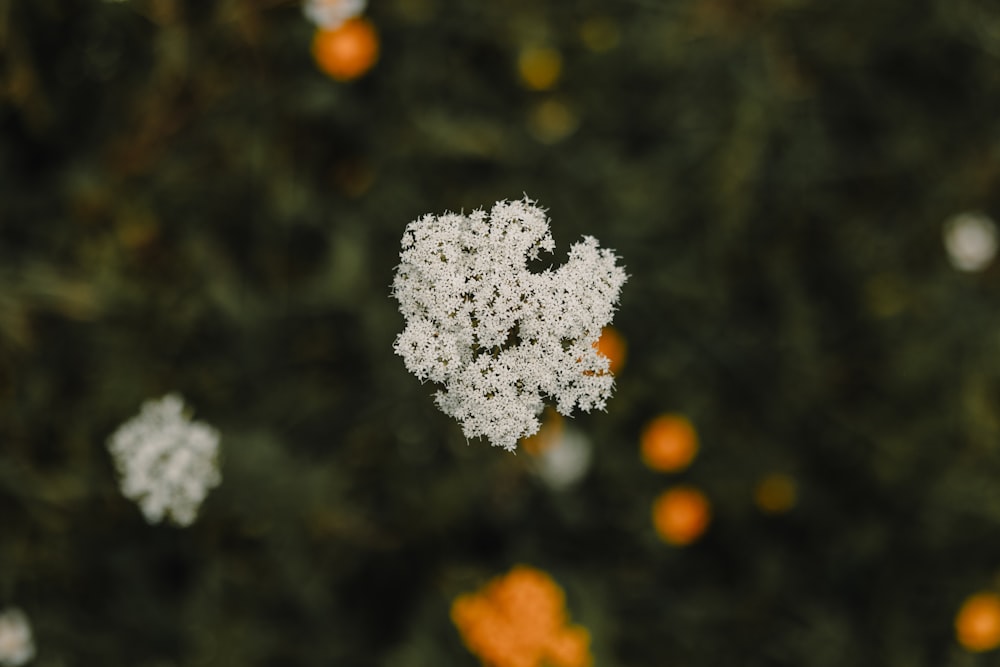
330	14
496	336
566	460
16	644
166	461
971	241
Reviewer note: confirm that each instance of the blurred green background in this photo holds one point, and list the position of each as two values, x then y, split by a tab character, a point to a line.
188	204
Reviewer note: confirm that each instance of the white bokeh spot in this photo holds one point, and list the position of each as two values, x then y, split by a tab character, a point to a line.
17	645
971	241
566	460
331	14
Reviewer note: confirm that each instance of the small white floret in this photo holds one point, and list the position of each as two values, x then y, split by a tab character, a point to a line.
167	462
17	646
498	338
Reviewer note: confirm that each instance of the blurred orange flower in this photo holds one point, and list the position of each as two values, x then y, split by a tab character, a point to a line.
977	624
612	345
681	515
519	620
668	443
547	436
347	51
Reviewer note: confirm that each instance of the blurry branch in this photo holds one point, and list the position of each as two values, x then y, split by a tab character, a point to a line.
46	499
18	78
976	23
246	15
4	24
41	288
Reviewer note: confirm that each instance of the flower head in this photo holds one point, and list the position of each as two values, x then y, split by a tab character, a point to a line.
669	443
167	462
519	620
681	515
977	624
498	337
347	51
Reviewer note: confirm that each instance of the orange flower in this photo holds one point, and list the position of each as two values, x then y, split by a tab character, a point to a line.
977	624
348	51
612	345
681	515
547	436
519	620
668	443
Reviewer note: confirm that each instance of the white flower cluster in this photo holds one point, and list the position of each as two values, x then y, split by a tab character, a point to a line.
167	462
17	647
330	14
495	335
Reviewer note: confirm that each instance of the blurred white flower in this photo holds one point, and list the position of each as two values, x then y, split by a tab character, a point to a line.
330	14
16	644
495	335
565	460
167	462
971	240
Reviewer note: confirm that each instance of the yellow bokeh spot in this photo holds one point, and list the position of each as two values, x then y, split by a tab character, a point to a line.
137	230
775	494
539	67
552	121
600	34
885	295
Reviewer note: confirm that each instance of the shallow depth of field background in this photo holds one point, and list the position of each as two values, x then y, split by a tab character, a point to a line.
188	204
